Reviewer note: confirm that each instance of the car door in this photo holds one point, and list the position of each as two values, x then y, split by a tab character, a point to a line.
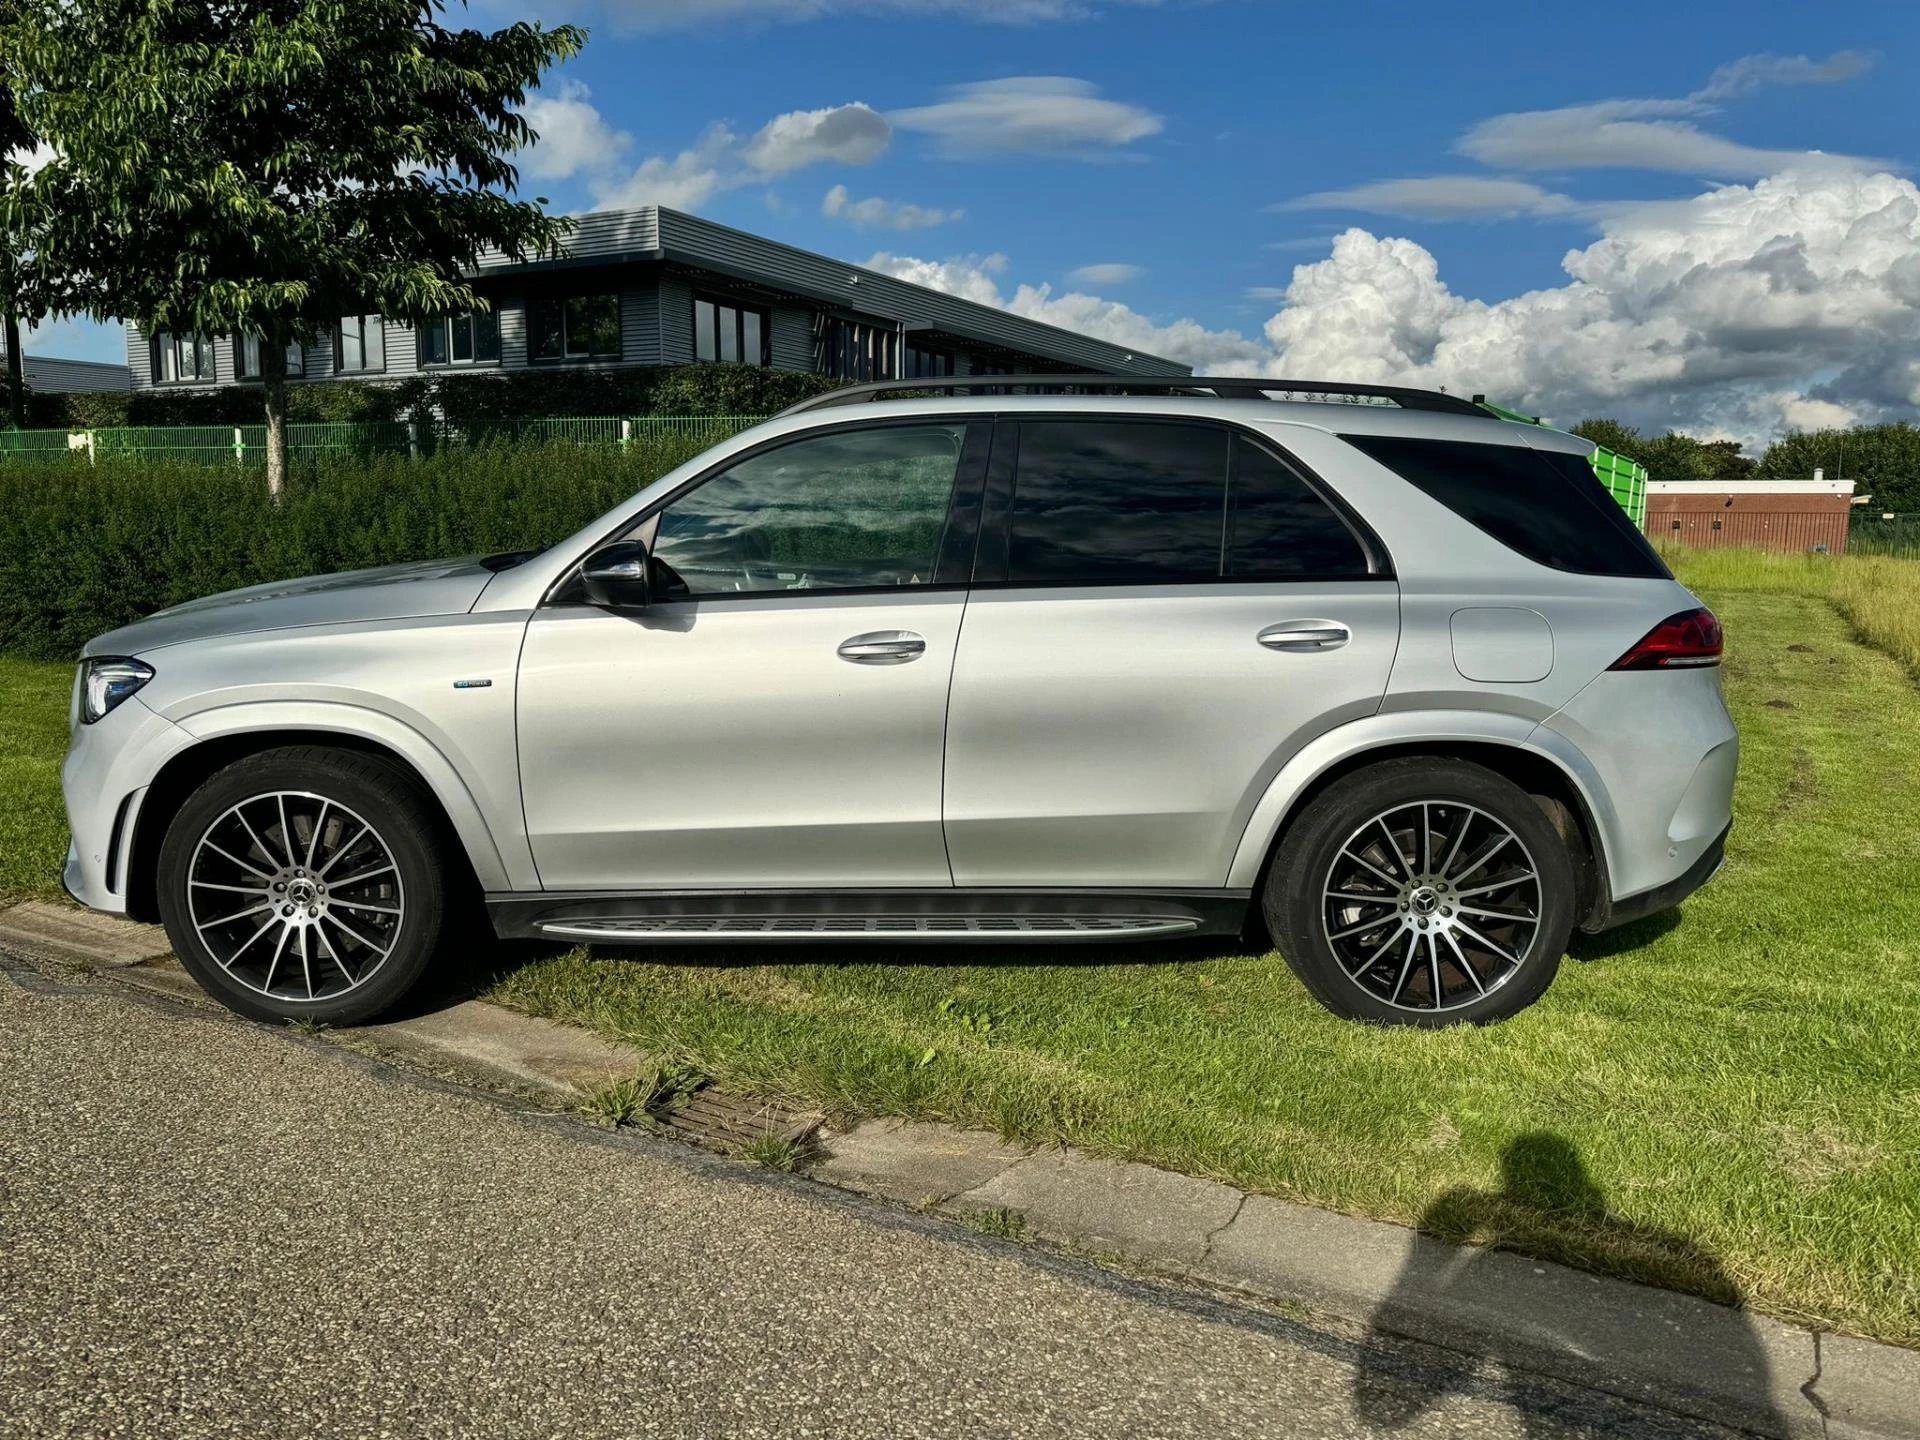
1163	612
775	717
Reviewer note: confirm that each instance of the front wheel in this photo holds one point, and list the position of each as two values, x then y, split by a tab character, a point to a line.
304	883
1423	892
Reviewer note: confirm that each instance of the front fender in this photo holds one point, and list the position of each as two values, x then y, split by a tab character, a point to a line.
497	866
1398	731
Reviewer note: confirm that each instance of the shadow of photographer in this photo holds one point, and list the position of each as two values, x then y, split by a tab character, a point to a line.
1460	1289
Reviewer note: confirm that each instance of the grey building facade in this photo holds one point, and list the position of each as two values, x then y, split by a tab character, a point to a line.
47	375
654	286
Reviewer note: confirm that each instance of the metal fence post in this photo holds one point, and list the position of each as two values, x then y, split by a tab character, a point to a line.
626	431
413	439
239	447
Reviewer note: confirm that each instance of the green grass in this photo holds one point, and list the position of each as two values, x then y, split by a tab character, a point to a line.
1742	1086
33	737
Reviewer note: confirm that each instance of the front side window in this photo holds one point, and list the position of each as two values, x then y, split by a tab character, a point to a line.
729	334
360	344
574	327
246	358
472	338
849	510
1547	505
1099	502
182	359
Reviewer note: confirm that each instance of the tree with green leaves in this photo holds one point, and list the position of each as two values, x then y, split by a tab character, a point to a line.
260	168
15	141
1882	460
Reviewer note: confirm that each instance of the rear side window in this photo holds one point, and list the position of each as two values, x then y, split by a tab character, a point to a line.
1548	506
1101	502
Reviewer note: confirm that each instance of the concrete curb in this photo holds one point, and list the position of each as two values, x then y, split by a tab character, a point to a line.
1676	1352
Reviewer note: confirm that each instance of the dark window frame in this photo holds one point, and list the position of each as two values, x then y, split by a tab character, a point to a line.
444	324
723	305
992	562
840	336
913	353
558	300
340	366
295	370
203	345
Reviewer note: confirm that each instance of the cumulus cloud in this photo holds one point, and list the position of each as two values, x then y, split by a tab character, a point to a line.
1748	309
1108	274
1440	197
574	138
852	134
1030	114
34	159
875	213
682	182
976	278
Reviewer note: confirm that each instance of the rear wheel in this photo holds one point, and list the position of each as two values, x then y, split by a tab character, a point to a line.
304	883
1423	892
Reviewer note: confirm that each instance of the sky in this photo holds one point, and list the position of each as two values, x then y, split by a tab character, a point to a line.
1695	216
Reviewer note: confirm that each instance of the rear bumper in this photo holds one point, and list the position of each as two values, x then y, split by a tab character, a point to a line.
1624	911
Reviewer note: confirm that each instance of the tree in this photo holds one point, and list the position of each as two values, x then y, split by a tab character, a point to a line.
1612	435
15	139
260	168
1882	460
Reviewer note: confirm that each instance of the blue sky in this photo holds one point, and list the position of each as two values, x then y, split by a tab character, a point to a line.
1157	171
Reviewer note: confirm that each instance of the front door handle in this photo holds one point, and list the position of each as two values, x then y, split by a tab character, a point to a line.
1305	636
884	647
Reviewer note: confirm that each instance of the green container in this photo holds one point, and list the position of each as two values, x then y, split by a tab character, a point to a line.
1625	478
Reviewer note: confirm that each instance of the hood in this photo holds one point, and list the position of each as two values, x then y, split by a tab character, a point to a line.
393	592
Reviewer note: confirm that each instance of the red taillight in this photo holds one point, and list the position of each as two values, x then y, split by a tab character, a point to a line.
1680	642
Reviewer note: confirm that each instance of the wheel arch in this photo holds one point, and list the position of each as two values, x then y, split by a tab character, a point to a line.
1550	778
187	769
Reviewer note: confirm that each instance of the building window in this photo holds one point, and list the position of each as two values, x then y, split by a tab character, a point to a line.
574	327
246	358
181	359
729	334
468	339
857	350
923	364
360	344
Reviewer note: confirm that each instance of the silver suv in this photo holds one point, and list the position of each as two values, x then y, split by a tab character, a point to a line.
1393	676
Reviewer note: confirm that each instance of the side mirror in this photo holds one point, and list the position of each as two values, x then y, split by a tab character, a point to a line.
615	576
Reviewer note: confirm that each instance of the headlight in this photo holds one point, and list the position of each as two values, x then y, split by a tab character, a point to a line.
105	682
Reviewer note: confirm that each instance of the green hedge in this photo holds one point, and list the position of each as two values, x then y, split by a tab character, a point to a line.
85	548
466	396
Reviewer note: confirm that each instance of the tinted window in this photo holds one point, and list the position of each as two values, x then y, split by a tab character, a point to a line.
1548	506
849	510
1278	529
1116	503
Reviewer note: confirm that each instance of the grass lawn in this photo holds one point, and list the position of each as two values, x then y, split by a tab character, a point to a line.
1741	1082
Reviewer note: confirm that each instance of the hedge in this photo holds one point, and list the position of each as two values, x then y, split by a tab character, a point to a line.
86	548
467	395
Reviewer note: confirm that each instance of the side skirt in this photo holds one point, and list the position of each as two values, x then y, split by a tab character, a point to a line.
896	916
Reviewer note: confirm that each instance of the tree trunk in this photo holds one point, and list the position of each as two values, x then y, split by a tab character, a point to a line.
16	375
273	369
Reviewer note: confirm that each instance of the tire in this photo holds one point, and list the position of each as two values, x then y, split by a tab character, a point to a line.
353	944
1483	939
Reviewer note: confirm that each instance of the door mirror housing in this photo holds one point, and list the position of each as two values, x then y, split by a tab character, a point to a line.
616	576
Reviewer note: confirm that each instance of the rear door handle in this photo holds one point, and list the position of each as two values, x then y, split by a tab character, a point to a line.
884	647
1305	636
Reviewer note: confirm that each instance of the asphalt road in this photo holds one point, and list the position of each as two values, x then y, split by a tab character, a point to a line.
209	1228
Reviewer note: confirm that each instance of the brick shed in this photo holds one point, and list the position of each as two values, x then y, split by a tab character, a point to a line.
1786	515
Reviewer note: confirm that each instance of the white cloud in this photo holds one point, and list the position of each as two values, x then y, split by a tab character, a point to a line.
1031	114
1186	341
34	159
1440	197
1744	310
877	214
1752	72
684	182
1628	135
651	15
852	134
574	138
1109	274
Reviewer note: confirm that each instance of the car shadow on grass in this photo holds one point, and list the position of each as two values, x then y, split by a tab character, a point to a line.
1456	1289
1634	935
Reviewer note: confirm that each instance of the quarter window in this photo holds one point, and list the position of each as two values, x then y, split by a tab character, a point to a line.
182	359
849	510
246	358
472	338
729	334
360	344
574	327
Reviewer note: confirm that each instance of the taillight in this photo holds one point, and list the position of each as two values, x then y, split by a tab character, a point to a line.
1680	642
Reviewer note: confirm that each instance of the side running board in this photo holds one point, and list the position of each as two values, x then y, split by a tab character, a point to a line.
681	929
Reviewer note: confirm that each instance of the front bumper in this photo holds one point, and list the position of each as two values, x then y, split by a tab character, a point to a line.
104	782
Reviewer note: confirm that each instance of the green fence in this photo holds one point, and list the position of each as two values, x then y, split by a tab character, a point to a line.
246	444
1878	533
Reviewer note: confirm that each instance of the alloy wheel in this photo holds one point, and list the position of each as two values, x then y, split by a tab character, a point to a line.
295	896
1432	905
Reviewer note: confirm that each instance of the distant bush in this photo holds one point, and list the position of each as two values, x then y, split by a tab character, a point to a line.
85	548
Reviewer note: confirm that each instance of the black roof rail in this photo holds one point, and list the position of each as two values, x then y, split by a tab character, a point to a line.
1221	387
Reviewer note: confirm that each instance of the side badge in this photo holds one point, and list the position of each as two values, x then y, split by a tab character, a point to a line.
473	684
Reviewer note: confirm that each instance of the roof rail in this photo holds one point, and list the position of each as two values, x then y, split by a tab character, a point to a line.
1217	386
